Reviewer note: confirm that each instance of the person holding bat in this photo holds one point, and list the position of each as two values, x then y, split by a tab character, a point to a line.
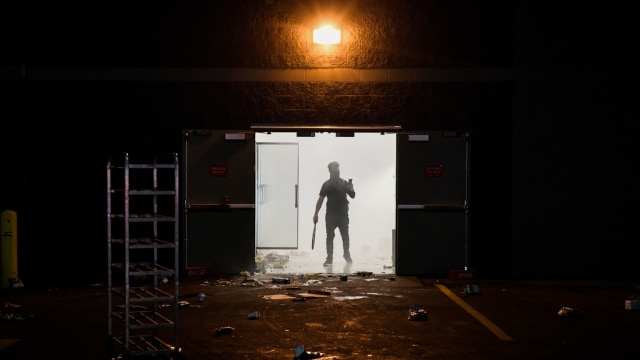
335	190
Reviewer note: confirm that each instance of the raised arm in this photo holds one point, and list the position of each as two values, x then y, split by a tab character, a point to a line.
350	191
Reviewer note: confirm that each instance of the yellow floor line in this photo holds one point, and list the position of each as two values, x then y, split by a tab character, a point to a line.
5	343
483	319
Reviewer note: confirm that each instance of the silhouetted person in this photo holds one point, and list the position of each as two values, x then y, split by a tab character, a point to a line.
336	190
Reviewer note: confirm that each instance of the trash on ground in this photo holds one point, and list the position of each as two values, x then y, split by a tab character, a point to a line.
181	304
254	315
224	283
11	317
278	297
417	313
311	294
280	280
471	289
224	330
632	303
300	353
16	282
364	273
351	297
6	305
251	282
570	312
184	304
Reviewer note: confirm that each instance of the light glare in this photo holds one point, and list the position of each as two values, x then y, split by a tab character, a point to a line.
326	36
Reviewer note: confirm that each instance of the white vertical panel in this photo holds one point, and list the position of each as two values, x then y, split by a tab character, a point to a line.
276	197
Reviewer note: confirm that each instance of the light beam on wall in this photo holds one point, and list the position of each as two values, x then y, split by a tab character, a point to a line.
326	36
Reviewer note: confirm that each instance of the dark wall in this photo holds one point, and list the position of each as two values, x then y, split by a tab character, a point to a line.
573	174
269	34
64	115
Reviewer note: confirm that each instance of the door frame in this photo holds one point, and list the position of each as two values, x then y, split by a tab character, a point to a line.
232	255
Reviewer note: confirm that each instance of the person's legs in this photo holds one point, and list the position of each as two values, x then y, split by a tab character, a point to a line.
331	234
343	226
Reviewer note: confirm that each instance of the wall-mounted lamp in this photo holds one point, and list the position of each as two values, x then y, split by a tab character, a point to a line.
326	36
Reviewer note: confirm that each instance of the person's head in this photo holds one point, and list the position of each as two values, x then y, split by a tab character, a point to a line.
334	168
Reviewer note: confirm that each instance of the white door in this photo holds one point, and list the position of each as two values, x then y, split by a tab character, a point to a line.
277	196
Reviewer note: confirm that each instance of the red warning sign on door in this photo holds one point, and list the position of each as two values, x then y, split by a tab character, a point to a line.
433	170
218	170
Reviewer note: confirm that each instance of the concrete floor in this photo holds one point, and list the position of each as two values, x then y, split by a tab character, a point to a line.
365	317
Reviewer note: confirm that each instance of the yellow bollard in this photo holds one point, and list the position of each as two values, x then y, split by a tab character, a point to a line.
8	246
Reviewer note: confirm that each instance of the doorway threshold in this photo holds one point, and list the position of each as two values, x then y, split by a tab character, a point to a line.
293	262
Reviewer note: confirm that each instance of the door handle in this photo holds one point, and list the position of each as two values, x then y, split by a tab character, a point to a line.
296	195
262	188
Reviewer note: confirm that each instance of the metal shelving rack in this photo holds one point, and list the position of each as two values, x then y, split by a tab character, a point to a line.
143	258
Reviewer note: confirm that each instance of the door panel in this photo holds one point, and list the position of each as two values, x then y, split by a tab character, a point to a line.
218	164
432	213
277	196
219	233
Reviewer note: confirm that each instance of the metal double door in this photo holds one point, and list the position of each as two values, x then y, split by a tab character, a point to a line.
231	206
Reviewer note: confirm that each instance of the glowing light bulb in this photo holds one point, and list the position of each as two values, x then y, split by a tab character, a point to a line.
326	35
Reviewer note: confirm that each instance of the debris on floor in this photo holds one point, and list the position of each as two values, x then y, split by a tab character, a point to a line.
632	303
15	283
271	261
351	297
364	273
417	313
570	312
311	294
254	315
7	305
470	290
301	354
224	330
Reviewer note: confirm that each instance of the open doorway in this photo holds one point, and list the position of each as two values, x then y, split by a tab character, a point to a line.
369	158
